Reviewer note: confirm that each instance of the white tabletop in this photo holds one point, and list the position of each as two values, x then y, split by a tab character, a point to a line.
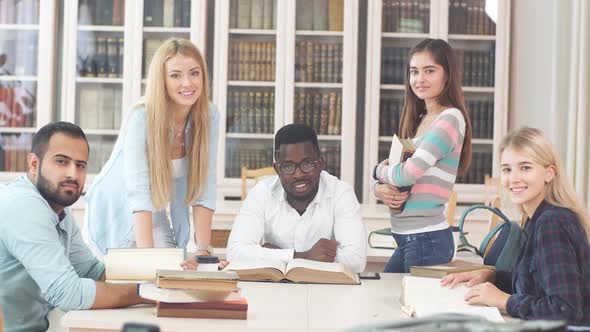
271	306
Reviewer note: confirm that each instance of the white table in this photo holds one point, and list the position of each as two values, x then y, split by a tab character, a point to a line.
271	307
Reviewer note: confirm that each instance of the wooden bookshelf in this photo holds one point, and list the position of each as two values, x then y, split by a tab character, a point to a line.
396	26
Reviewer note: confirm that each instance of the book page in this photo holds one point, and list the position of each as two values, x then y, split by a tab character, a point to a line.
489	313
418	290
140	264
304	270
395	152
258	270
315	265
426	297
408	144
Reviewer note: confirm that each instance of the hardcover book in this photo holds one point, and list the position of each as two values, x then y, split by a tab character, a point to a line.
298	270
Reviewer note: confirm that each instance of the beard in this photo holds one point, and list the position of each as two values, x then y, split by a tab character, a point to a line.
52	193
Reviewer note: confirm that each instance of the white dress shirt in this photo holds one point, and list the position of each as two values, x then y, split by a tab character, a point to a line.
267	217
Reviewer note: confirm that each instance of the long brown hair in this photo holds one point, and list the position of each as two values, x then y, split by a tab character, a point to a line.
452	95
559	192
159	121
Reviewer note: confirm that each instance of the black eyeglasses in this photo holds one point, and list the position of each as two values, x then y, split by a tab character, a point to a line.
289	167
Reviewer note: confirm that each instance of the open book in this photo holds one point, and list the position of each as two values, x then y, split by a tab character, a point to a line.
140	264
425	296
441	270
298	270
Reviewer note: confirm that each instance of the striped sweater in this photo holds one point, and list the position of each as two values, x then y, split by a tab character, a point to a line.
431	171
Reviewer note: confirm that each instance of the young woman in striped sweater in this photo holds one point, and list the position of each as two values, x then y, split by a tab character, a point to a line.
435	117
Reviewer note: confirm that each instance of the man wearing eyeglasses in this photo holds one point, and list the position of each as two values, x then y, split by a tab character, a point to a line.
304	212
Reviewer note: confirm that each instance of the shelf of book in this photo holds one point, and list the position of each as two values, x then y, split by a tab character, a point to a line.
478	89
169	30
19	27
9	78
103	28
105	132
472	37
99	80
301	76
319	33
249	136
102	77
318	85
402	35
17	130
393	87
252	83
27	54
479	35
252	32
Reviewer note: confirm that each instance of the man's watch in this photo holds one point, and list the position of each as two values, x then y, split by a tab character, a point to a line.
208	248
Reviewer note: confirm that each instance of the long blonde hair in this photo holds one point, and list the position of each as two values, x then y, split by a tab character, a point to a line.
452	95
559	192
159	121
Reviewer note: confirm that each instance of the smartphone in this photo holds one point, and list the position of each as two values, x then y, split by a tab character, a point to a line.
369	275
137	327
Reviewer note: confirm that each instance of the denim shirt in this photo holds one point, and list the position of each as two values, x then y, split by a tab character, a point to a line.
44	262
123	187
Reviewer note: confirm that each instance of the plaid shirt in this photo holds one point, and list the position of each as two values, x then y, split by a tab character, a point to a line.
551	276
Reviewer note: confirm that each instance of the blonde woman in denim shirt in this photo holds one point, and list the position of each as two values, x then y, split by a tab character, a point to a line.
166	153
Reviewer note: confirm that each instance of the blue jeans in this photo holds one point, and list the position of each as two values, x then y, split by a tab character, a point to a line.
429	248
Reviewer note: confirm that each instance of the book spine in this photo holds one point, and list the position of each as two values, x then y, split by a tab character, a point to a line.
112	57
258	126
244	14
338	119
325	109
101	56
320	15
168	13
323	63
256	14
118	12
186	13
267	16
120	52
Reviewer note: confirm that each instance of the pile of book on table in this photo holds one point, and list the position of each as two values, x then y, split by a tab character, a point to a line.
196	294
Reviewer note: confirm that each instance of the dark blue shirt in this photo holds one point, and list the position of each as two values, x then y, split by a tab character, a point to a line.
551	276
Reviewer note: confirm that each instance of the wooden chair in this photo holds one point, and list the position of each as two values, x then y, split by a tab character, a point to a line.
491	190
255	174
451	207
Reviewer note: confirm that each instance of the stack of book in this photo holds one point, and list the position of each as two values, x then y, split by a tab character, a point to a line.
252	14
250	111
251	61
470	17
406	16
13	152
320	110
196	294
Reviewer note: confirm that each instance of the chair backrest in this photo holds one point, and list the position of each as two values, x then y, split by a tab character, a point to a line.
491	189
451	207
255	174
